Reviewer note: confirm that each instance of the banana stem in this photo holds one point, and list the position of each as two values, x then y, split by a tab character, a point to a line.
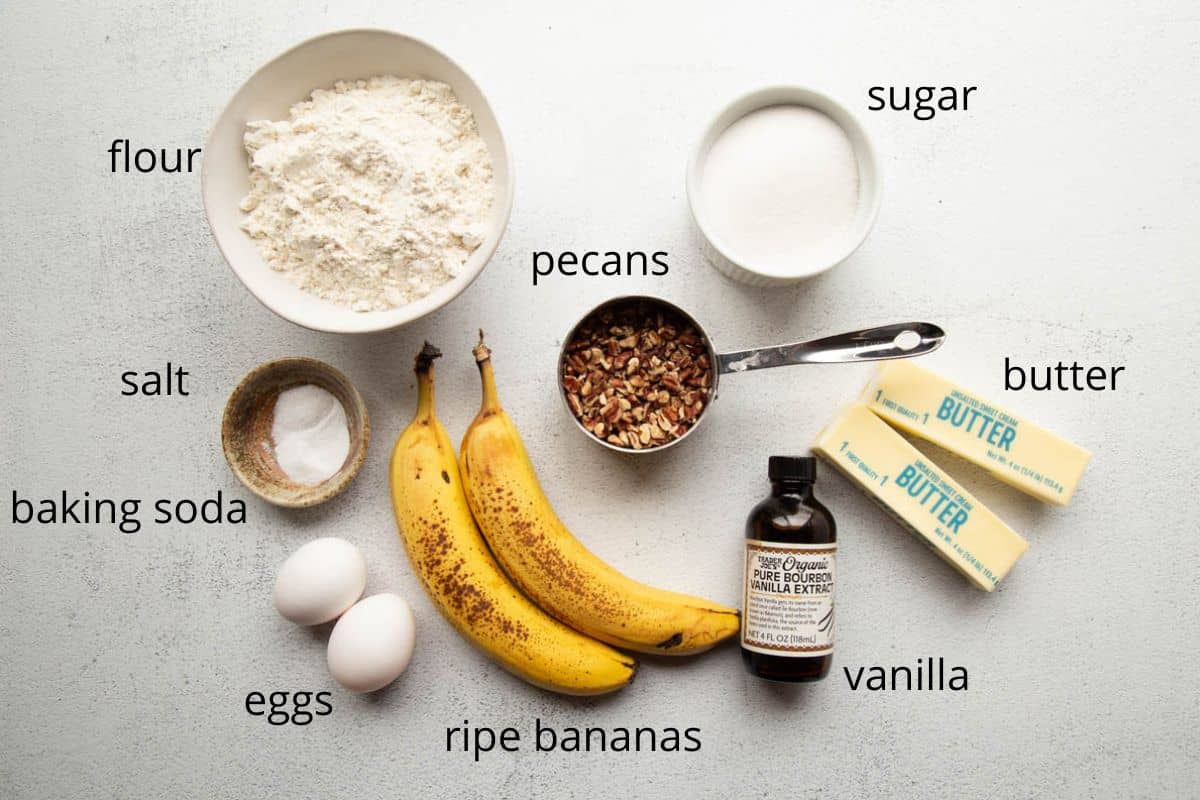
483	359
424	370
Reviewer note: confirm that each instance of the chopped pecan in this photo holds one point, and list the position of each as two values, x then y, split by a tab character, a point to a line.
636	376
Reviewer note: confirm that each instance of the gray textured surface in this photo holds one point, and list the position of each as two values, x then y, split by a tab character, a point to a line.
1055	220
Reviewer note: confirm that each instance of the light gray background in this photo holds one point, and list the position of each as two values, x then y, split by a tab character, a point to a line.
1055	220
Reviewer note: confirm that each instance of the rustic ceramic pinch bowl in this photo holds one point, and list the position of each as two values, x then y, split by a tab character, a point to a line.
246	430
270	93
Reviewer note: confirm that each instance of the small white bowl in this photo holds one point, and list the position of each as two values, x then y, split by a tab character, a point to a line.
724	257
269	93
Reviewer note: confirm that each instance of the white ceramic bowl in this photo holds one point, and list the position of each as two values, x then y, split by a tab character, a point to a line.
291	77
725	257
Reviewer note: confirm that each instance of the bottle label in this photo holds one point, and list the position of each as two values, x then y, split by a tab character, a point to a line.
787	603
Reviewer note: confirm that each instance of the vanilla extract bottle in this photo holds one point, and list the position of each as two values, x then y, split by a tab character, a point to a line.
787	595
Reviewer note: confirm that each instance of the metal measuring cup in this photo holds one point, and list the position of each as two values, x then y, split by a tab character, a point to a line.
900	340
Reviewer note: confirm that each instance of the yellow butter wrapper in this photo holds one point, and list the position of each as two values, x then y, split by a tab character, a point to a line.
921	496
1013	449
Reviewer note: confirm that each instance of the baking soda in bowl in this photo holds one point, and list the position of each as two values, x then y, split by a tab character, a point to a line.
779	189
310	434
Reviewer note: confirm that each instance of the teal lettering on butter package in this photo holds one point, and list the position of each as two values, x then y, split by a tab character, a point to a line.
1016	451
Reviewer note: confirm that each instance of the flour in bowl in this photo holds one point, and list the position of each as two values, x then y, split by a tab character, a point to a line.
371	194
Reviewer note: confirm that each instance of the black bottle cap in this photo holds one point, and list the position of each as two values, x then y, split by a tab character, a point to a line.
802	469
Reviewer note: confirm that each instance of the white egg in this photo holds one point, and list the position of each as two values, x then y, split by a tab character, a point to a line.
372	643
320	581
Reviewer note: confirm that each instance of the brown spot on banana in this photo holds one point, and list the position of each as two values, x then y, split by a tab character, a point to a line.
674	641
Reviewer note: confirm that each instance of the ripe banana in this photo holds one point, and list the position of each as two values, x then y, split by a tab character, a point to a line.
551	566
465	582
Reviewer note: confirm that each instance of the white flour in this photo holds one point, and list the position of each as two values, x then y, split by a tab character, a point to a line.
372	194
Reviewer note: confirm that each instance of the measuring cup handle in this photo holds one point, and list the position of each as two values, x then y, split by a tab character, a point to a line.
902	340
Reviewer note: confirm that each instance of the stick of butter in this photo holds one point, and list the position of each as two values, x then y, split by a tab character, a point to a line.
1015	450
921	496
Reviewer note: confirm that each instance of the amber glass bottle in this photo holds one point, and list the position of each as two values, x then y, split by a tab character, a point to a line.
787	595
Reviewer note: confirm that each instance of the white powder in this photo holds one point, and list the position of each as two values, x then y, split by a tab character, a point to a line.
372	194
311	436
780	188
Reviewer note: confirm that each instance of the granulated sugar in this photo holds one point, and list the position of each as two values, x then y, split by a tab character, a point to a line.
779	187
